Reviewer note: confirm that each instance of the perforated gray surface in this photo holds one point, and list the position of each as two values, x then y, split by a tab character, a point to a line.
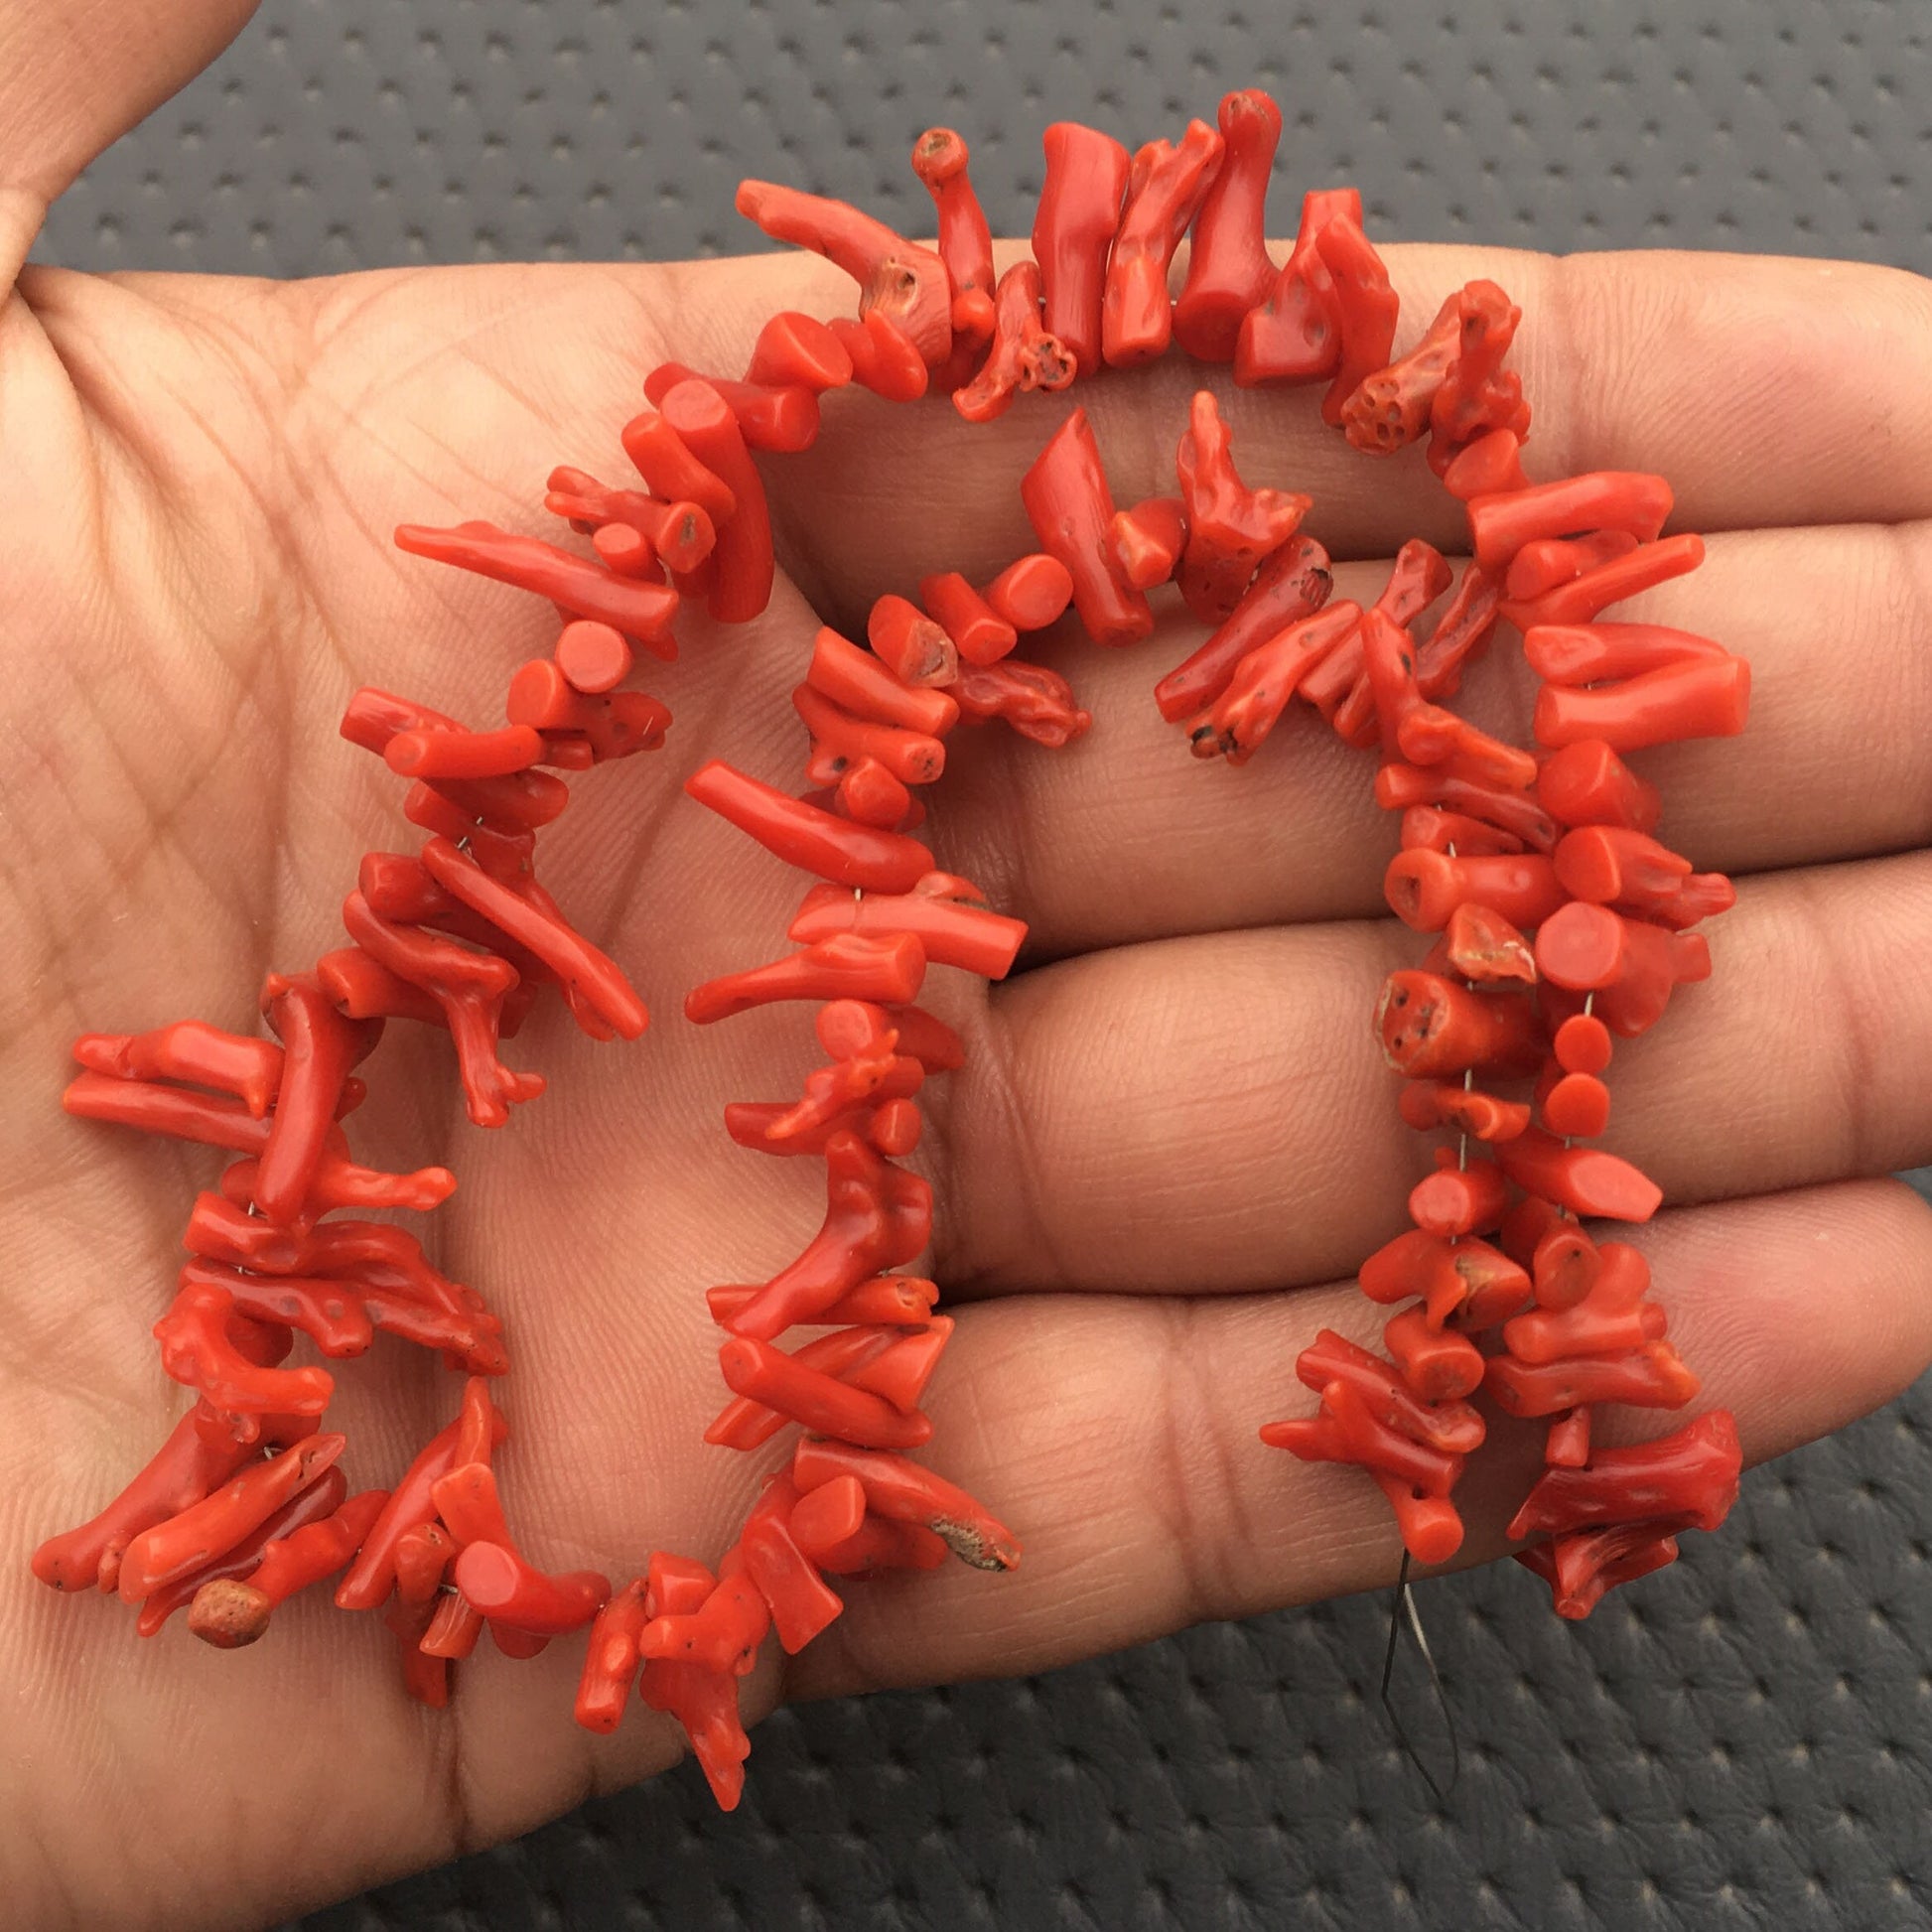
1745	1742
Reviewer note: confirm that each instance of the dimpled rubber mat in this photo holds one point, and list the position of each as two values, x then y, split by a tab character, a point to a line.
1745	1741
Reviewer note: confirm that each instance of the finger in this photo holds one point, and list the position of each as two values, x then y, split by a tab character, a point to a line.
1751	382
1214	1114
1296	834
1118	1437
76	75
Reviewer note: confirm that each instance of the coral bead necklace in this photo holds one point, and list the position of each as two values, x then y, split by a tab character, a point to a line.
1556	924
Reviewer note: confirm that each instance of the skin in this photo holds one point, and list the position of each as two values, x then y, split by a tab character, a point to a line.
1172	1142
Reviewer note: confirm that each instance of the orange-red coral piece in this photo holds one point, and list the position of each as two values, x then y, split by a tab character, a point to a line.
1071	509
1228	269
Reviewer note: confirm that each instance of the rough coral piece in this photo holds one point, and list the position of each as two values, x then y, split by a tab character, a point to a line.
1390	409
1229	527
1023	355
1294	335
1037	703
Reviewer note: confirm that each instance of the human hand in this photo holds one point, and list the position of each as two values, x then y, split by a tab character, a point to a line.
1174	1136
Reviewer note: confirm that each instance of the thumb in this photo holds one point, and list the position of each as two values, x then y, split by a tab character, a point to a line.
75	77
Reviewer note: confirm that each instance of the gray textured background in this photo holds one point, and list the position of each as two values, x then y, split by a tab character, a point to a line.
1743	1742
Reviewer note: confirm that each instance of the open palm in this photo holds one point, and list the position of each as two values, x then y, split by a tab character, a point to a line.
1173	1138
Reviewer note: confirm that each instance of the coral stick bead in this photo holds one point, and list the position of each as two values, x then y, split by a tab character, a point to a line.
913	757
760	1373
771	416
1291	585
1581	1567
861	684
1459	1200
1585	653
914	649
504	1588
191	1050
1364	307
1347	1428
1033	591
1024	354
885	360
1447	1103
748	1421
1492	464
1633	501
903	1492
1228	527
181	1472
847	966
210	1528
1584	1179
1631	966
1264	681
899	280
1425	888
1582	1045
802	1606
586	590
1071	510
802	835
1228	269
1581	599
1429	1526
1432	828
1612	1316
596	976
1543	563
1451	1426
667	462
1483	947
741	557
940	158
1430	1028
594	657
612	1660
950	934
1578	1106
1703	698
1073	232
979	633
1586	783
1438	1364
1391	408
794	348
1167	183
